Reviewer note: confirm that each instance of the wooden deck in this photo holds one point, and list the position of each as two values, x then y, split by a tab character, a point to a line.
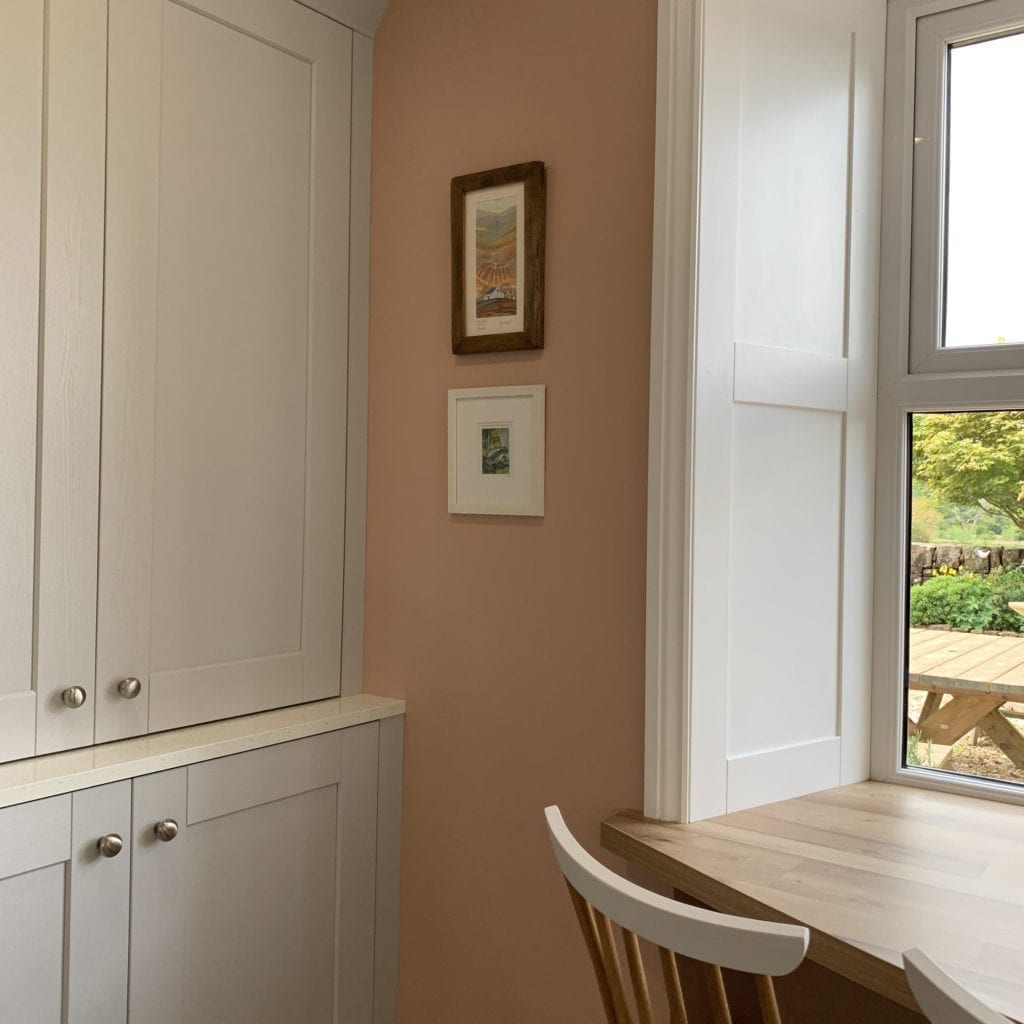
981	673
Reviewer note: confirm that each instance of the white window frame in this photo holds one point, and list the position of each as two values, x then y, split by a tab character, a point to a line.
915	373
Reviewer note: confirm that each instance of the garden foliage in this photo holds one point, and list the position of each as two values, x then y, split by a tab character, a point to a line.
973	458
968	601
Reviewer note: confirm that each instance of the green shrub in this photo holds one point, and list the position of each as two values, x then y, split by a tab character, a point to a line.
968	601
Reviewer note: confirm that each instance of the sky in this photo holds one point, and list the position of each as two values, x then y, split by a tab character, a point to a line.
985	275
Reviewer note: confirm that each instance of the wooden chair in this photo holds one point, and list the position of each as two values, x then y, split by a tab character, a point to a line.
600	897
940	997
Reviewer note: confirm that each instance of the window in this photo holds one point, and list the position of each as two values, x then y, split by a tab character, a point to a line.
949	660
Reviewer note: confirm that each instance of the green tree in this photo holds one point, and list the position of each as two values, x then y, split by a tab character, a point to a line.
973	458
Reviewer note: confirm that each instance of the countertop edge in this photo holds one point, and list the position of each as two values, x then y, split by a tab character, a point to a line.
48	775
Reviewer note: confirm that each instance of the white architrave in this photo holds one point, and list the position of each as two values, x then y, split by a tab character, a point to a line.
670	468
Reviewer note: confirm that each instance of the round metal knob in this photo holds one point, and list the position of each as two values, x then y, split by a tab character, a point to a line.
129	688
166	830
73	696
110	846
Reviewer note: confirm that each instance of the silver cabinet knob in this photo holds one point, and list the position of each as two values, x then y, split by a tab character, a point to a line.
129	688
73	697
110	846
166	830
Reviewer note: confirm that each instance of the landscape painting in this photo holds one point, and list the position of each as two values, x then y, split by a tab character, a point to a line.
498	228
494	451
497	243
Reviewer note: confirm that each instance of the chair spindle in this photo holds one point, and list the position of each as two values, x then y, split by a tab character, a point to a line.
766	997
673	987
585	916
612	968
716	994
641	993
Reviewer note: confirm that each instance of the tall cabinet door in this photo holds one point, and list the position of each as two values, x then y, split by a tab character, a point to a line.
253	886
64	908
52	118
225	361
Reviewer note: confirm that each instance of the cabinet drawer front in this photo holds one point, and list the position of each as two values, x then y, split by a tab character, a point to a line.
241	781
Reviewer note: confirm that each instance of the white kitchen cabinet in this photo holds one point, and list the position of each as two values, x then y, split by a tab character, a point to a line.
225	360
262	907
52	116
257	888
184	270
64	908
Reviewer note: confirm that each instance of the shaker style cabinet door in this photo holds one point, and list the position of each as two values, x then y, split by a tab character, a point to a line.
52	125
64	867
253	886
224	363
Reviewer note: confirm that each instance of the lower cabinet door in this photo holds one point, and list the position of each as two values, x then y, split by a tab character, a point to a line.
64	908
241	871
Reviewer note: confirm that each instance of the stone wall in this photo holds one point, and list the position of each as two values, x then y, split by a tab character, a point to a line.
927	559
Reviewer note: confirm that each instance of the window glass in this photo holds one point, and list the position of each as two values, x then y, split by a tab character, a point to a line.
985	206
965	643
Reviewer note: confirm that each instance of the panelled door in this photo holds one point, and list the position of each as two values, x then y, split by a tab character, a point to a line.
52	118
64	908
224	383
790	169
272	852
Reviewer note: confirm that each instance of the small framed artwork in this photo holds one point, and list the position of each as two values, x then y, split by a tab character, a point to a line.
496	451
498	225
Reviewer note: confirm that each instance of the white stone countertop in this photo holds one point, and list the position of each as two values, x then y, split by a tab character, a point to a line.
38	777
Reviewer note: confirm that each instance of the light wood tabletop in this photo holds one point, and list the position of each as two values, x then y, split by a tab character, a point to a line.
981	672
872	869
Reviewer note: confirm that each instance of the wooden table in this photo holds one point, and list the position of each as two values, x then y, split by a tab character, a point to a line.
981	672
872	869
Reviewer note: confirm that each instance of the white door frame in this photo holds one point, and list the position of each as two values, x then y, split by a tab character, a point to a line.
670	464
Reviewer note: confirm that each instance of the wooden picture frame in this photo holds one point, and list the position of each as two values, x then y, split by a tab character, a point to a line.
498	289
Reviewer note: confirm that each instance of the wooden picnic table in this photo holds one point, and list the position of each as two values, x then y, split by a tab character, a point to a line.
981	672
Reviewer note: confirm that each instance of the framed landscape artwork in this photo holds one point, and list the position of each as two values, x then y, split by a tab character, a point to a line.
498	225
496	451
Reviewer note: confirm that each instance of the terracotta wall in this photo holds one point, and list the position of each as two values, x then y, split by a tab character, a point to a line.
518	643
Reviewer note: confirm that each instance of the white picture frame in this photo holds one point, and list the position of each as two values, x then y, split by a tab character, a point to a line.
496	451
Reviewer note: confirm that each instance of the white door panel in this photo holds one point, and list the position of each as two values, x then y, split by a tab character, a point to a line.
52	123
785	358
784	578
221	537
64	909
261	909
21	105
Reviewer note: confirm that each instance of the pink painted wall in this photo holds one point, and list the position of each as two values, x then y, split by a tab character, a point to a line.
518	643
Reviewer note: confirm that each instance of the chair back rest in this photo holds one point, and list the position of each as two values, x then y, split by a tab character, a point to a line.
940	997
600	897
